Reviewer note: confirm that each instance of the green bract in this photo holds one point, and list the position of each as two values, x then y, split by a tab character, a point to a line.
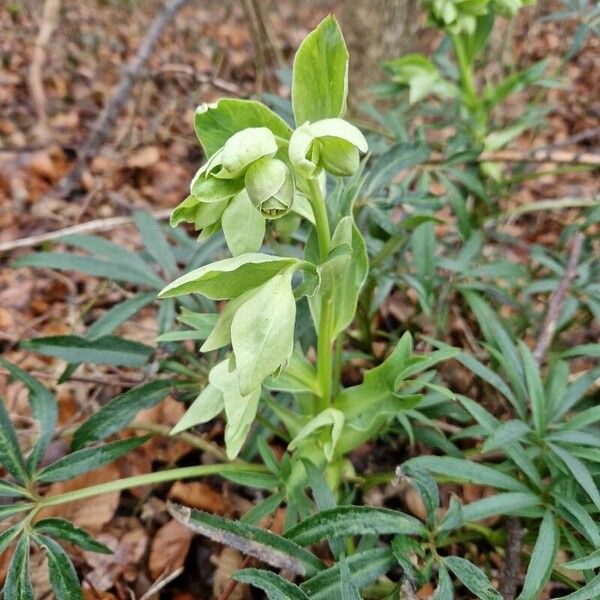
331	144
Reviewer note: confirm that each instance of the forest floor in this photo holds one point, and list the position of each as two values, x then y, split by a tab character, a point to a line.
147	161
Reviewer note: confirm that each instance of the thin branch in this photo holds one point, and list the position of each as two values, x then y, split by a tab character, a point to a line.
557	300
95	226
106	120
48	23
514	532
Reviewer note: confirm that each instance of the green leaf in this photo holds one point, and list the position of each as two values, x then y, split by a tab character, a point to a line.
580	472
263	509
63	577
8	535
107	350
591	561
456	469
204	408
11	457
542	558
445	589
320	76
243	225
216	123
8	510
43	409
590	591
426	487
120	411
509	431
18	582
328	418
348	590
268	547
155	241
535	389
65	530
88	459
11	490
499	504
347	289
118	314
229	277
275	586
262	331
473	578
240	410
353	520
111	270
366	567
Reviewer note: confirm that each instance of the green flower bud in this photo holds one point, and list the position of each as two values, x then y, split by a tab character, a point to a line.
330	144
243	148
270	186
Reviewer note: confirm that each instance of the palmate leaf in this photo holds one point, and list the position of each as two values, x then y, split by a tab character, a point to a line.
268	547
275	586
88	459
353	520
63	577
120	411
43	409
18	582
65	530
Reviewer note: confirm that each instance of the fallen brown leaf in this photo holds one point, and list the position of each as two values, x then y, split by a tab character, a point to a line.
169	549
199	495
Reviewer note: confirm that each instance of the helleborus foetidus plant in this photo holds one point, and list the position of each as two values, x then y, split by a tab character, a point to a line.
258	169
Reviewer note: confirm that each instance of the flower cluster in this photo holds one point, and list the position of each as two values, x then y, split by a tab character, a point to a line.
257	176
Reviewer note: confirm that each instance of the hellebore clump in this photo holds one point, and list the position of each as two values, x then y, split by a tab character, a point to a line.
259	170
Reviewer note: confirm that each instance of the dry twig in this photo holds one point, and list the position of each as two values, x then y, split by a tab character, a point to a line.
94	226
106	120
48	23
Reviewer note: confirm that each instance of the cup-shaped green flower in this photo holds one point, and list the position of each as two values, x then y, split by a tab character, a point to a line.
457	15
331	144
217	197
270	186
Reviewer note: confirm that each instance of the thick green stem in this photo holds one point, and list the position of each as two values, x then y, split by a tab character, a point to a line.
321	221
466	72
325	352
325	327
149	479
